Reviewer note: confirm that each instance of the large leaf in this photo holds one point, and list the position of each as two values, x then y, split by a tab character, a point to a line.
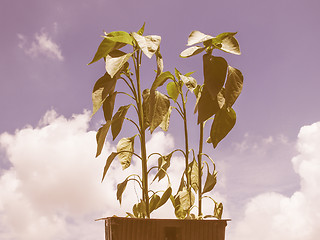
197	37
210	182
190	82
148	44
164	125
222	124
106	46
108	106
101	137
165	196
163	165
233	86
193	171
191	51
154	202
117	120
120	36
161	79
101	89
108	163
214	70
156	106
120	189
125	148
173	91
186	199
178	210
229	43
115	60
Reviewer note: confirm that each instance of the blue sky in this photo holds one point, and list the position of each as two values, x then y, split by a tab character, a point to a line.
45	83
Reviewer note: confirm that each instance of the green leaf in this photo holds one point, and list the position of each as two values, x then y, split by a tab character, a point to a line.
210	182
198	37
125	148
155	106
191	51
120	189
108	106
141	30
161	79
105	47
115	60
154	202
222	124
233	86
108	163
165	196
101	137
177	73
215	71
178	210
164	125
186	199
229	43
148	44
190	82
163	165
101	89
117	120
193	171
218	210
121	37
173	90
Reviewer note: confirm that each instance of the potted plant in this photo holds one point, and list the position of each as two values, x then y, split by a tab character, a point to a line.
151	109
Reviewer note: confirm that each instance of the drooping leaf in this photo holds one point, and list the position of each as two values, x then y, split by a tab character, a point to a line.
101	137
159	62
215	71
141	30
121	37
222	124
233	86
191	51
139	209
108	106
210	182
115	61
186	199
108	163
161	79
148	44
190	82
173	91
106	46
218	210
120	189
154	202
101	89
165	196
197	37
164	125
193	171
229	43
125	148
117	120
155	107
163	165
178	210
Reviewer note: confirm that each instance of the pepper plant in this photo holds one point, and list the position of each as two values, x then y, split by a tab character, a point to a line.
150	109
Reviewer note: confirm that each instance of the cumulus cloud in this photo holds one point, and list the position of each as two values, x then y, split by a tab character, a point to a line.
274	216
41	45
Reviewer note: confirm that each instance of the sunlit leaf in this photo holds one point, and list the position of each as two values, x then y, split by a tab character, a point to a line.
101	137
120	36
108	106
154	202
125	148
108	163
117	120
161	79
218	210
164	125
115	61
173	91
233	86
178	210
141	30
210	182
222	124
229	43
190	82
165	196
120	189
215	71
197	37
186	199
193	173
191	51
148	44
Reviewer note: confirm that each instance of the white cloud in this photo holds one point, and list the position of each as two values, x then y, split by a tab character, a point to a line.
273	216
42	44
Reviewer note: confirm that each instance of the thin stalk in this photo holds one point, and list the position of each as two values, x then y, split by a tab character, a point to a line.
199	170
145	196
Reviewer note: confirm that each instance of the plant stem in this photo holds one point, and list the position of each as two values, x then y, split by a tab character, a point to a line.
145	191
199	170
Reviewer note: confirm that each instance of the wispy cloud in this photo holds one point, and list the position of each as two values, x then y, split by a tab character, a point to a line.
41	45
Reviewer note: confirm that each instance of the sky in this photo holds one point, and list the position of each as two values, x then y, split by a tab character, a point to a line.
269	164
